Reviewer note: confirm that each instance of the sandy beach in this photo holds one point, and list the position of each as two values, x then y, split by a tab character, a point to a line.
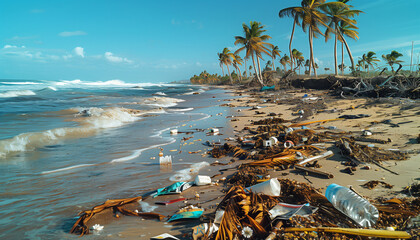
247	106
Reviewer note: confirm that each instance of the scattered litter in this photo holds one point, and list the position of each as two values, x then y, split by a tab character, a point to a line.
97	227
203	230
164	236
166	160
170	201
175	188
187	212
350	204
285	211
201	180
270	187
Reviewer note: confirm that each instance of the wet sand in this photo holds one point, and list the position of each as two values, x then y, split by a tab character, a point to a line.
403	137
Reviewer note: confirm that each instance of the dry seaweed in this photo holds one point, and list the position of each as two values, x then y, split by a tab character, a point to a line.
268	121
225	149
413	190
245	209
372	184
363	153
247	176
81	225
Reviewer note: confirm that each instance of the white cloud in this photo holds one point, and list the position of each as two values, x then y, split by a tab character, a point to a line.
198	64
79	51
70	34
112	58
9	46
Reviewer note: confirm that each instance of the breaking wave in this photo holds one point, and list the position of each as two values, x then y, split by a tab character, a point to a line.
18	93
90	120
162	101
109	83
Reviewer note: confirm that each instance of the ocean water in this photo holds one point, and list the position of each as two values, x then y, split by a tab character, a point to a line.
66	146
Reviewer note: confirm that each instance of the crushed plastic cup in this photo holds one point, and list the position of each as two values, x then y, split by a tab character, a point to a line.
201	180
271	187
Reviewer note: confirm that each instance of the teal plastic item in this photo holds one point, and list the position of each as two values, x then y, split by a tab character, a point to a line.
189	214
177	187
266	88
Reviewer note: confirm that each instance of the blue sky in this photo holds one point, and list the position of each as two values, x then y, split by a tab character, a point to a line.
162	41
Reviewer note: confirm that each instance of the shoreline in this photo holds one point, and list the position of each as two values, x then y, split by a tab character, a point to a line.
210	195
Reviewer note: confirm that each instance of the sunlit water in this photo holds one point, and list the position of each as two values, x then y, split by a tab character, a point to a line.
69	145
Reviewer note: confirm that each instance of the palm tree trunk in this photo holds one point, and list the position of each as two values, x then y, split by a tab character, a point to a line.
335	51
255	69
223	71
313	58
238	72
348	50
310	52
246	71
291	39
230	77
342	58
259	69
272	63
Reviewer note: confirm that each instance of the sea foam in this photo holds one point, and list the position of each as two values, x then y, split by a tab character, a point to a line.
90	120
10	94
186	174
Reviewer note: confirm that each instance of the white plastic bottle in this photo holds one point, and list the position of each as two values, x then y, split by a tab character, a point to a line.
352	205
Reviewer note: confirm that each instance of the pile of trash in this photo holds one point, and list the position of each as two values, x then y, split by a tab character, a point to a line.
257	206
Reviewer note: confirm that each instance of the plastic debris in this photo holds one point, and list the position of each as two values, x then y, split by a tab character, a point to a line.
270	187
202	180
187	212
175	188
164	236
286	211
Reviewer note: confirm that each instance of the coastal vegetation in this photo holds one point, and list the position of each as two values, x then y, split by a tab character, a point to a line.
317	19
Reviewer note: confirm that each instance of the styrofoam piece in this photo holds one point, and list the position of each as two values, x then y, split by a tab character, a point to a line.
214	130
271	187
202	180
165	160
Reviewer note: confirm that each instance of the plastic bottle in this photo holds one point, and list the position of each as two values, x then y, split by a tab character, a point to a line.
352	205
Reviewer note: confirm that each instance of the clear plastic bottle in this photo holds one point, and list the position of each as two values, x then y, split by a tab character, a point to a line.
352	205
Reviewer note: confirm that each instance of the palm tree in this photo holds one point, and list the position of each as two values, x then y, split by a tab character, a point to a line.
268	65
296	13
392	58
298	58
221	62
226	58
254	44
312	17
307	65
370	59
338	13
237	60
284	61
275	52
349	31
